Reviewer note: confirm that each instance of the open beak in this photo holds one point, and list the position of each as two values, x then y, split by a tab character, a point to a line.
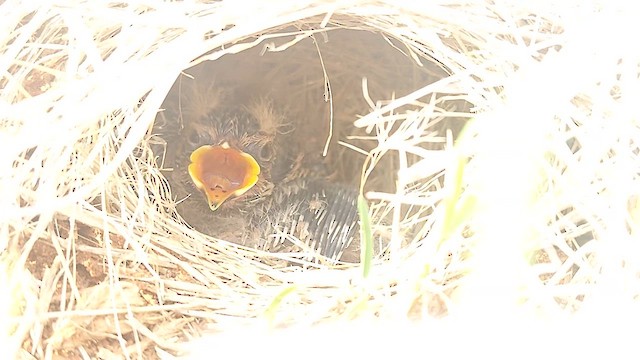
222	172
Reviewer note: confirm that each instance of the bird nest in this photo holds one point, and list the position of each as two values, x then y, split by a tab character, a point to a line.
492	150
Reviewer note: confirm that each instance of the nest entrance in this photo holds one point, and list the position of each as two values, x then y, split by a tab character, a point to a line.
305	100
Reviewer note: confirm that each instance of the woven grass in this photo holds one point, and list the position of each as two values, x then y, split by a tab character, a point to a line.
479	225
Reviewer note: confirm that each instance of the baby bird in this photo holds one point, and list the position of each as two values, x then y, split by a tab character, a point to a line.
230	158
239	174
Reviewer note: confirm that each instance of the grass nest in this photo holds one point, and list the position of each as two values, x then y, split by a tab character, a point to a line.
493	145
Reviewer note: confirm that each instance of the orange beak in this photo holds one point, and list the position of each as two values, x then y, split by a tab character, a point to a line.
222	172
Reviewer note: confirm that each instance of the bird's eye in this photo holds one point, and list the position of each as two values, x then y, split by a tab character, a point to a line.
196	138
266	152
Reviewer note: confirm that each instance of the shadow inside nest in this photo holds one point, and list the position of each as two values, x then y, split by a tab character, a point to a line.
280	109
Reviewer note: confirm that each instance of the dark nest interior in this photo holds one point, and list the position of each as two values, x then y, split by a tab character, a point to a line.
293	110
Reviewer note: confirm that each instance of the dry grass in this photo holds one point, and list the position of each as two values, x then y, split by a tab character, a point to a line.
94	262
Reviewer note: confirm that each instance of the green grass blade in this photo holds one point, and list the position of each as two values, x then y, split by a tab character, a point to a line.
366	238
270	312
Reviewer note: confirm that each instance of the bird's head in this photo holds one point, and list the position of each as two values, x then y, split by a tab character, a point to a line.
230	157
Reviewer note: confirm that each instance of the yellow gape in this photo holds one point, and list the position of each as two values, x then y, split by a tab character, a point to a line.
222	172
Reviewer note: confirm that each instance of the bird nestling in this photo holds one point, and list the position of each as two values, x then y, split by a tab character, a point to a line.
227	152
240	175
230	158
